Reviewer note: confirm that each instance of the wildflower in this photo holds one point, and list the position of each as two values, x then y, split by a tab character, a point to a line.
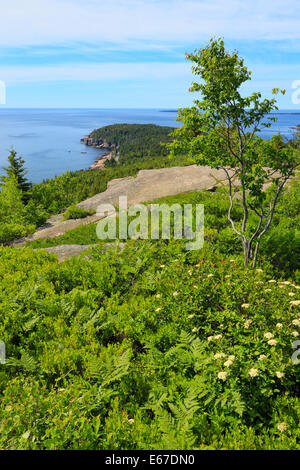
222	375
272	342
268	335
271	281
279	375
245	306
217	337
247	323
158	296
189	272
131	421
195	287
295	302
191	316
232	260
259	282
228	363
194	330
210	275
291	294
253	372
231	358
262	357
285	283
282	427
175	294
296	322
259	270
268	290
219	355
295	333
279	325
162	266
158	309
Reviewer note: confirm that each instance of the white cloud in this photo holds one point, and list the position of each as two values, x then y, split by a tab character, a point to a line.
44	22
265	77
94	72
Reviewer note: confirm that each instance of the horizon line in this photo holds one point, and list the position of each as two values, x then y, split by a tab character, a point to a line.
291	110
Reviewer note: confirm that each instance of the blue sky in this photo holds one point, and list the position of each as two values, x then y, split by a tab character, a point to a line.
130	53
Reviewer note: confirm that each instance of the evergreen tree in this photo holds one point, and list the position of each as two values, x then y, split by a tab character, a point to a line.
12	209
16	169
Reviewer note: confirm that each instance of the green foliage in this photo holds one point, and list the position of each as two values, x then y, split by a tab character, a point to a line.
19	216
75	212
135	141
151	347
11	204
13	214
82	235
282	247
14	231
17	170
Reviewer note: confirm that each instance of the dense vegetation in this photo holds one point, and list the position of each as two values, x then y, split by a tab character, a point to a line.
135	141
152	347
17	171
17	219
206	366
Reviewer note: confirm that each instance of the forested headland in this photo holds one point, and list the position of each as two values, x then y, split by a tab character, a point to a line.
132	141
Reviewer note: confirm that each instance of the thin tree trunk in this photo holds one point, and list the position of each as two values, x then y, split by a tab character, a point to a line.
255	254
246	252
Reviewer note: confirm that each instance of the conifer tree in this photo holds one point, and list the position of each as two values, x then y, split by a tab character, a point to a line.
16	169
12	208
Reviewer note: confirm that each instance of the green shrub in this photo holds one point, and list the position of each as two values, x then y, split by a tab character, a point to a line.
151	347
282	246
75	212
10	232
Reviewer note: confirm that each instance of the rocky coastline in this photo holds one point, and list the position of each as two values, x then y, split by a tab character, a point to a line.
100	144
99	163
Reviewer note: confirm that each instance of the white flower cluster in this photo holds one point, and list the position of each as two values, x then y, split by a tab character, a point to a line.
216	337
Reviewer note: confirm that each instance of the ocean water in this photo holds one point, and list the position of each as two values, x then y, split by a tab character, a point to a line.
49	139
